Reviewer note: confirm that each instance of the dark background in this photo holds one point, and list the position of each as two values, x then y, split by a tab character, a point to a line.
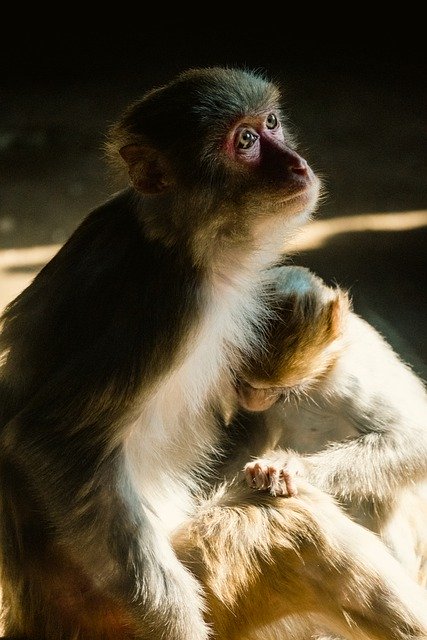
357	102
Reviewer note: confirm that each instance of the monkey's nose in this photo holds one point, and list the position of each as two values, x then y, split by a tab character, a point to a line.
299	166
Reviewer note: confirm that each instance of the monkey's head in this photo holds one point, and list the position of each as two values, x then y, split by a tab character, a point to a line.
214	144
302	339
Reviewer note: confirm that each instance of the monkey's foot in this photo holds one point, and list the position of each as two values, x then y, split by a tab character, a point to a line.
279	480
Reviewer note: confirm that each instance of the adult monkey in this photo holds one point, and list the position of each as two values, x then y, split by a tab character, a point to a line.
116	363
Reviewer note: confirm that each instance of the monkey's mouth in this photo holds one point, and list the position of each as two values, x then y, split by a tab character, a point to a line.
302	192
298	193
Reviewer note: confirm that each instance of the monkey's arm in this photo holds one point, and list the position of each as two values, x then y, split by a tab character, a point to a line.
387	404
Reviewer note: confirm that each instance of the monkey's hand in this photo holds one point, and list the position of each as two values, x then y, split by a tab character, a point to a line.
277	477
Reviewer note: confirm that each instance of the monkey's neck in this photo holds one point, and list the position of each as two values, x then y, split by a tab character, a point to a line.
246	258
217	240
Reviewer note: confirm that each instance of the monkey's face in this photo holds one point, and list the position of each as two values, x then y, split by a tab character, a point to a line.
280	181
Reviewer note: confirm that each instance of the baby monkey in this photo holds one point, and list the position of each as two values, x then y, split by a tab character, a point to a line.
336	392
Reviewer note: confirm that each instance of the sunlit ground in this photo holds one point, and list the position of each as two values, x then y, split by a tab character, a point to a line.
19	266
317	233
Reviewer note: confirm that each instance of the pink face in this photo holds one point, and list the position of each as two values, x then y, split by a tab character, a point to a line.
258	144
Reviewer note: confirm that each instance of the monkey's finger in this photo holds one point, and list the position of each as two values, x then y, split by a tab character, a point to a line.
262	476
276	486
251	471
257	474
289	480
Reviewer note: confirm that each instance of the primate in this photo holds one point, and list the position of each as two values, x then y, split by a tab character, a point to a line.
117	364
340	395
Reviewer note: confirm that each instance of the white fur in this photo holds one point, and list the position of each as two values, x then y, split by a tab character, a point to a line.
174	431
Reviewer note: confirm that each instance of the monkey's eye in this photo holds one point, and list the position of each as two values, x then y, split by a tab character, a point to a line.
245	139
271	121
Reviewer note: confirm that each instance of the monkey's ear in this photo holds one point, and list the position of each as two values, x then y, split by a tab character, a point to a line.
147	168
337	311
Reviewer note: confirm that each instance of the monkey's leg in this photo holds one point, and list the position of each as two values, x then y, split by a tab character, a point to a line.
262	559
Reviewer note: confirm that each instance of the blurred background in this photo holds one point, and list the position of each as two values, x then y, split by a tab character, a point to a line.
358	105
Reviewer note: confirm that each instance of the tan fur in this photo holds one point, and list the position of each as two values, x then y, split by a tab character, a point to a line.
289	565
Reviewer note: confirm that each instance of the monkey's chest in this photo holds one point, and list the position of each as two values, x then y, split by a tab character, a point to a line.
308	427
169	445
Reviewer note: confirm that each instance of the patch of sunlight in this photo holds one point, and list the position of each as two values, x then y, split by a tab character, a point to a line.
316	233
18	267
